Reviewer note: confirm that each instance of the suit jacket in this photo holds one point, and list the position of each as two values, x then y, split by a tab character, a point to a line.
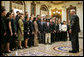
13	24
75	24
47	29
56	27
41	27
52	26
31	26
3	25
17	19
26	27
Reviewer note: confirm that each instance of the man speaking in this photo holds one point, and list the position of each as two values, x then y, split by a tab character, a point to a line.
74	30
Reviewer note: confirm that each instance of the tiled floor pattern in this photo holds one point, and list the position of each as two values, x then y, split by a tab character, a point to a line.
56	49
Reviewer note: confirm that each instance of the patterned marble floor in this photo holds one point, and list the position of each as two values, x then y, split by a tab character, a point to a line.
56	49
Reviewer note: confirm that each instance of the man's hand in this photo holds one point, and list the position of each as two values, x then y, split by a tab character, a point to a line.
70	31
15	33
39	32
11	34
5	34
32	32
22	33
28	33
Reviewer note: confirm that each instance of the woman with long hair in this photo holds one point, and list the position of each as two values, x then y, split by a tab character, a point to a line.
9	30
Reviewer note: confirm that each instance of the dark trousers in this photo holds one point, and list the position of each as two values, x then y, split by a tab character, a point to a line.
75	42
64	36
56	36
52	37
41	38
59	36
13	42
69	37
31	40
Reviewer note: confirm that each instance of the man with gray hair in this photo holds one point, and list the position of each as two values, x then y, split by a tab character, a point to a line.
74	30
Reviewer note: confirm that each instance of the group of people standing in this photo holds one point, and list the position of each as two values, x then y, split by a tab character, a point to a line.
18	31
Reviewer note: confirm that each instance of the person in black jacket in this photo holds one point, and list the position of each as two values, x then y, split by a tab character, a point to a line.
47	29
52	24
17	19
13	43
41	30
56	31
38	22
3	29
31	40
44	22
74	30
26	31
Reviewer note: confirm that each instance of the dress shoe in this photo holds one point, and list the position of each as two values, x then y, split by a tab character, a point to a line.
26	47
20	47
71	51
9	51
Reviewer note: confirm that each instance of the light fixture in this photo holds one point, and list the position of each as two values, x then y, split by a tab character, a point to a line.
58	12
54	12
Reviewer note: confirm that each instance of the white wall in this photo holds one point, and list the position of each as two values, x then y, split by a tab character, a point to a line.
38	9
28	8
7	5
80	14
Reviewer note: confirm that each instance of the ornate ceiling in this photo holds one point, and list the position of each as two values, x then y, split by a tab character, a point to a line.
52	2
57	2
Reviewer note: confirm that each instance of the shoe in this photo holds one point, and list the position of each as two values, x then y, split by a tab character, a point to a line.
50	43
71	51
20	47
13	49
9	51
26	47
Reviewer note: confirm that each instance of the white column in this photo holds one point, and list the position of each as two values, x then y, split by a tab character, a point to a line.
64	14
28	8
2	3
38	9
7	5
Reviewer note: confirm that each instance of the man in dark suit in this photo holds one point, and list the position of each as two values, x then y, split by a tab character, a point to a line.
74	30
56	30
52	24
47	29
31	40
38	22
17	19
3	29
41	30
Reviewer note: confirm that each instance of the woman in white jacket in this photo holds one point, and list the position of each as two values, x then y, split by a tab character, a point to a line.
64	31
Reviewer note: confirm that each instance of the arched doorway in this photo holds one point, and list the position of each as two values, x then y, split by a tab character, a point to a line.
18	6
44	10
